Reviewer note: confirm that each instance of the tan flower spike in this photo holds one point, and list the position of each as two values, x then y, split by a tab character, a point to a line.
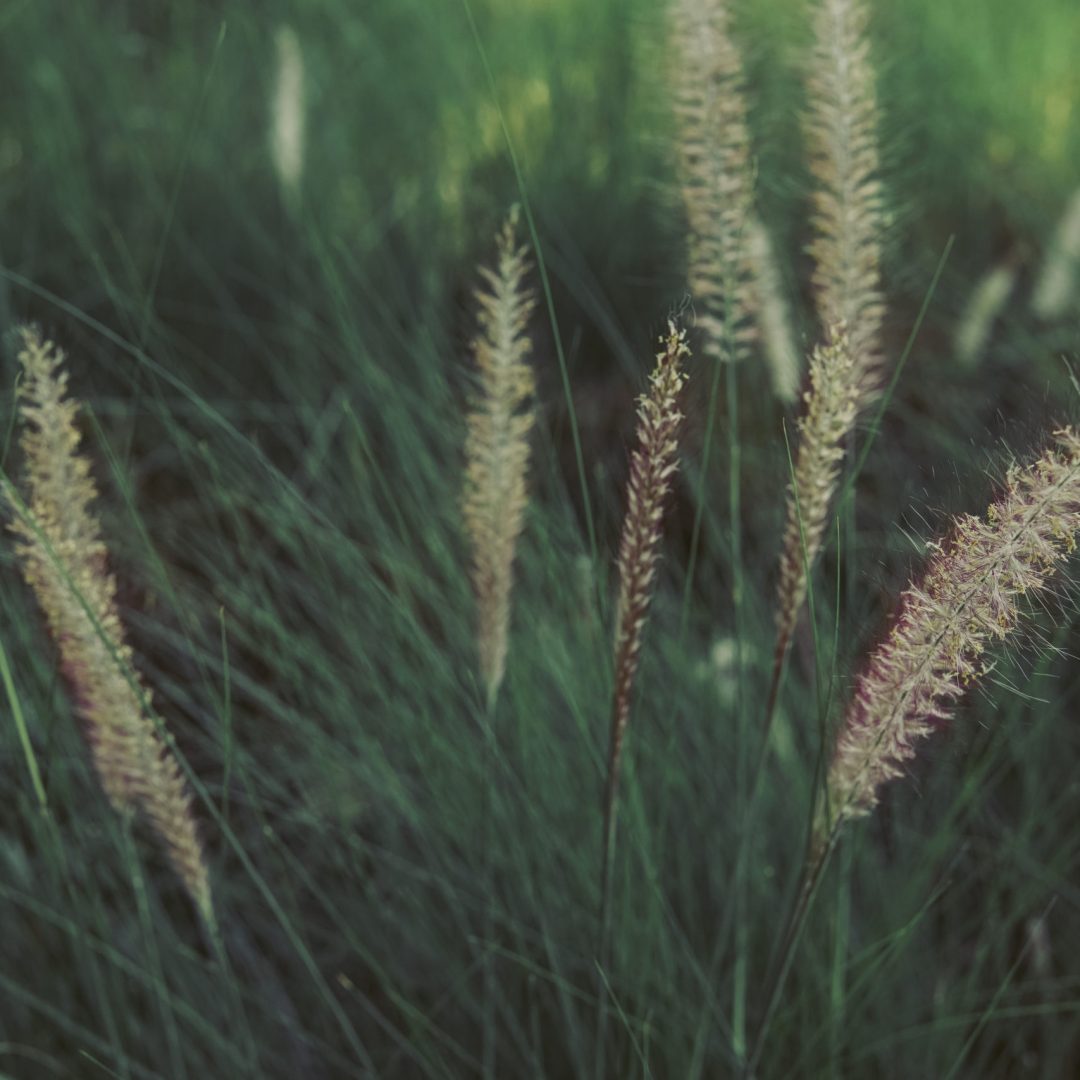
715	175
497	448
63	560
848	217
831	408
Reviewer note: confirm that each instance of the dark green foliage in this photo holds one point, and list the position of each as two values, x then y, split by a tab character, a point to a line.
278	397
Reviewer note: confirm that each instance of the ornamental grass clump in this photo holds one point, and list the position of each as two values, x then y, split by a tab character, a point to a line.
971	595
63	560
497	448
652	467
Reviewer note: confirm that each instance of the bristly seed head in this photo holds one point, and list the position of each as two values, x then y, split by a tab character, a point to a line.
497	447
831	410
652	467
968	598
63	560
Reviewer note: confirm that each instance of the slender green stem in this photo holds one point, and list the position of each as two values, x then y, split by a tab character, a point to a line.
811	880
24	734
490	975
742	939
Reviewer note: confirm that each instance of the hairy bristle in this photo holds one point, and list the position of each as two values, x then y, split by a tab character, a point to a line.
984	307
716	181
773	314
969	597
497	448
1055	287
848	219
652	466
63	560
287	112
831	409
845	374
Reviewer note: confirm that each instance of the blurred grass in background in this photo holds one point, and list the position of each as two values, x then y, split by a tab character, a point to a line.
276	392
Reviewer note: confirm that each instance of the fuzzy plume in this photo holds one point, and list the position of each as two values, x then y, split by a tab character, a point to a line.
1055	287
984	307
715	176
497	448
831	409
652	466
848	218
287	113
773	314
969	597
63	560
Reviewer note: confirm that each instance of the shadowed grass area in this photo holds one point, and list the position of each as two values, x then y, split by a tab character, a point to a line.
276	391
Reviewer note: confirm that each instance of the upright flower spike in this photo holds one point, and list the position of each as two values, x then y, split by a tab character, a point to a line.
652	466
1055	287
969	597
63	560
715	176
773	314
848	222
287	113
497	448
831	409
848	218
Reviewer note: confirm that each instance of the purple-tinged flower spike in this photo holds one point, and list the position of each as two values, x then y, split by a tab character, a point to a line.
969	597
652	466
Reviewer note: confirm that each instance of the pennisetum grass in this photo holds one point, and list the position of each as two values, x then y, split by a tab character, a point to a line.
1055	286
732	270
712	144
831	406
773	314
983	308
715	176
63	558
847	216
497	448
652	466
287	113
971	595
848	222
494	503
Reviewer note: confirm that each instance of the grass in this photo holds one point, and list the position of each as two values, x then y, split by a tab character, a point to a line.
276	405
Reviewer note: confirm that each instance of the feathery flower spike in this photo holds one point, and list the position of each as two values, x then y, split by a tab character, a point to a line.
831	407
497	447
287	113
773	314
63	560
1055	286
716	180
848	218
969	597
652	466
